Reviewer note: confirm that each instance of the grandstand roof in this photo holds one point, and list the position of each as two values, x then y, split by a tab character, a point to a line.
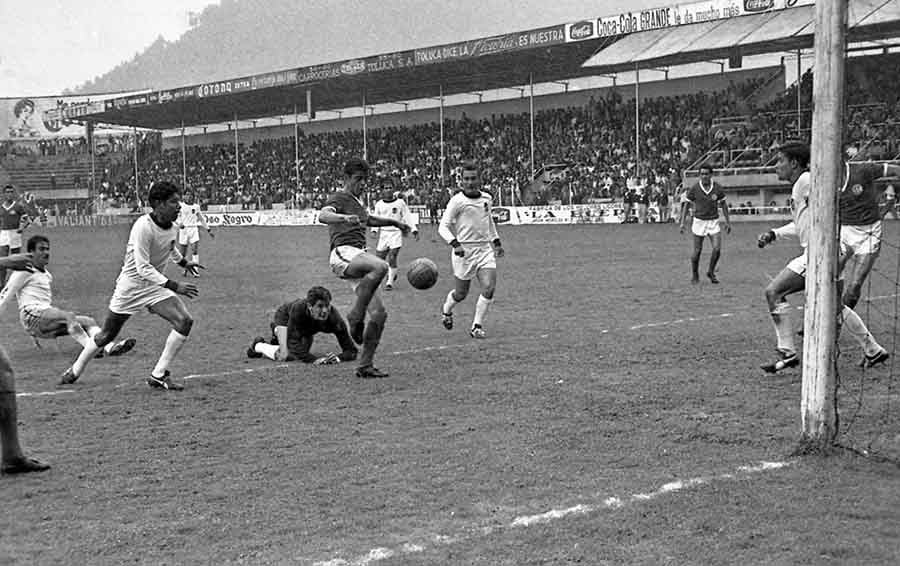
769	32
553	53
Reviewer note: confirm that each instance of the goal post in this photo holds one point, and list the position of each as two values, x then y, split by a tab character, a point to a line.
818	413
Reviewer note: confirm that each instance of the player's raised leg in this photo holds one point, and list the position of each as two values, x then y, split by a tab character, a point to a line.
487	278
367	271
456	295
175	312
111	328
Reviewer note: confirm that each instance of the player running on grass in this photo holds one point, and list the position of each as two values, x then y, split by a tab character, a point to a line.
142	284
13	459
793	167
189	220
390	239
294	326
347	219
467	226
705	198
40	319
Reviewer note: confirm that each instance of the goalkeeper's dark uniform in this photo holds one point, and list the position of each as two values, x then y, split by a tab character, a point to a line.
301	328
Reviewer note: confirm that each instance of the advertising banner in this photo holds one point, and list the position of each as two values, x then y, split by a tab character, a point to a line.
35	118
491	45
673	15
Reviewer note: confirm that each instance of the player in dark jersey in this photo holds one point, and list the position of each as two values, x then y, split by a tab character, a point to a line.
861	228
347	219
13	221
294	326
705	197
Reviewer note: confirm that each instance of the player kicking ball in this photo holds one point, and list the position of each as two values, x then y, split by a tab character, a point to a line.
467	226
294	326
40	319
142	284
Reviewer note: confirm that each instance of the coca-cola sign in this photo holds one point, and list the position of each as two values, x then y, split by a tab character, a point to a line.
758	5
581	30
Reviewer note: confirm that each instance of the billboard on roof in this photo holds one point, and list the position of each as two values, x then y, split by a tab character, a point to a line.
505	43
36	118
673	15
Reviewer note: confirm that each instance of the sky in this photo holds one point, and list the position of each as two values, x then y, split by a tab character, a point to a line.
55	45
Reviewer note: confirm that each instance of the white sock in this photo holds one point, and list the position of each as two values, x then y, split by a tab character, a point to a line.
857	329
174	342
268	350
392	273
449	303
86	355
481	308
76	331
195	258
93	331
784	330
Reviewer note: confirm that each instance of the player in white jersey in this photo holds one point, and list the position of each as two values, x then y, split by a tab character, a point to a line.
468	227
793	167
40	319
390	239
142	284
13	459
190	219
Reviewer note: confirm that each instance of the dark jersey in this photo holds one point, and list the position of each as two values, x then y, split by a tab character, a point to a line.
11	215
858	204
706	202
301	328
346	234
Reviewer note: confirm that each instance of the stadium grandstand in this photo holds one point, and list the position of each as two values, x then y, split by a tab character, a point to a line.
261	141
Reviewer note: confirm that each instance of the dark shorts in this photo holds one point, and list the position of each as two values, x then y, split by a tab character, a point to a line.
282	314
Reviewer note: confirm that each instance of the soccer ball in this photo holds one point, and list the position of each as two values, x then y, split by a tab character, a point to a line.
422	273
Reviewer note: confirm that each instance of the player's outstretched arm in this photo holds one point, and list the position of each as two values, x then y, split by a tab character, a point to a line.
18	262
13	285
328	215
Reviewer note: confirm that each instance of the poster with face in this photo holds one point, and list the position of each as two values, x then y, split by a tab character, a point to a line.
34	118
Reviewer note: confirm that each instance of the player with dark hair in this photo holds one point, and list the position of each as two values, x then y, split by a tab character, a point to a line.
467	226
13	459
861	226
705	198
294	326
40	319
390	239
142	284
14	219
793	167
347	219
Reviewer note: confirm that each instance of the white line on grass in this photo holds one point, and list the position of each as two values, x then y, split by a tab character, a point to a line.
423	543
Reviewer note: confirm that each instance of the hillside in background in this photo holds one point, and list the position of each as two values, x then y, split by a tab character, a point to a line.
243	37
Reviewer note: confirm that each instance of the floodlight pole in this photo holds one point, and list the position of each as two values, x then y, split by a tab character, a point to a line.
237	156
799	82
531	118
818	414
183	160
137	184
637	122
297	146
441	119
93	134
365	142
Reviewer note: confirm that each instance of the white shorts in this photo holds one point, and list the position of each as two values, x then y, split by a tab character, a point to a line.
389	241
188	235
705	227
341	257
30	317
798	264
11	238
861	240
480	256
131	299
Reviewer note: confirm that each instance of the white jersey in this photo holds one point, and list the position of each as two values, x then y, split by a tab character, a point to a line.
149	249
31	289
190	217
395	210
799	226
468	220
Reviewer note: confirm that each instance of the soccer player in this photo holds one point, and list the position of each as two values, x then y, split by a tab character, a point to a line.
390	239
189	220
142	284
294	326
13	221
705	198
861	228
467	226
793	167
13	459
347	219
39	318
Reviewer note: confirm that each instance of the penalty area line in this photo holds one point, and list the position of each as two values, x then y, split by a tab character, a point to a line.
423	542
